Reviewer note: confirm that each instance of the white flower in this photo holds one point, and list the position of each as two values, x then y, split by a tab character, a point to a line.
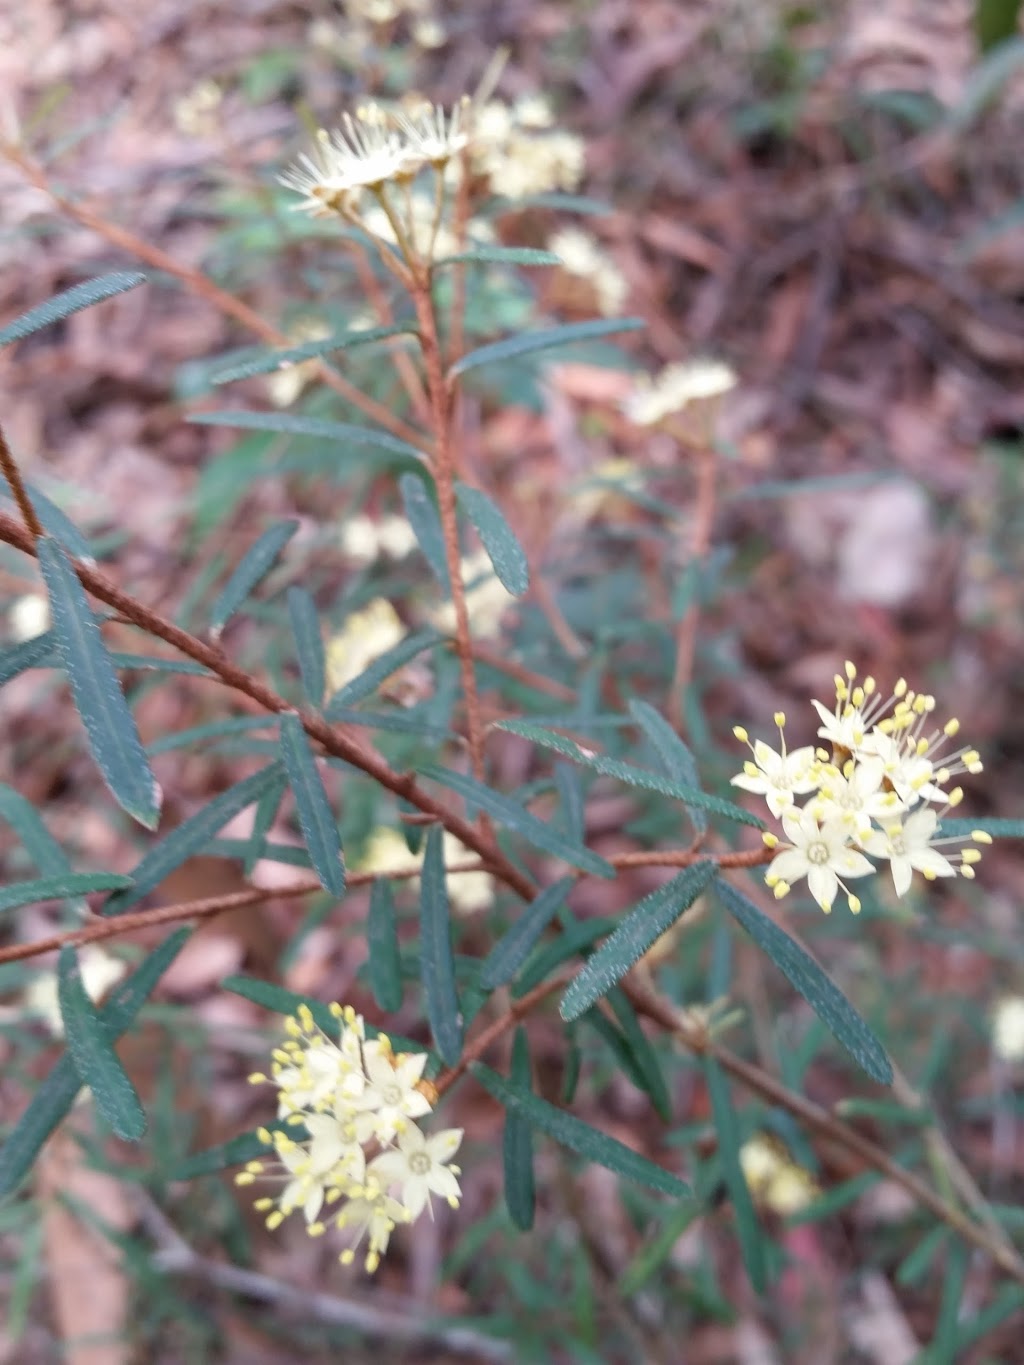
373	1214
580	255
821	853
675	388
1008	1028
420	1166
433	136
386	851
28	616
364	153
310	1069
778	777
855	795
364	540
365	636
391	1095
327	1163
99	972
907	845
486	599
844	728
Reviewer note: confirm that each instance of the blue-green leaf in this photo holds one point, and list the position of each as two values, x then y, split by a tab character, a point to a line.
515	946
437	964
54	1098
817	988
516	817
528	343
36	839
382	668
294	424
319	827
218	729
426	524
999	829
154	663
113	739
39	652
60	888
254	566
70	301
309	644
499	540
500	255
748	1229
244	1147
642	926
675	757
93	1055
385	963
59	525
191	837
255	847
626	772
579	1137
517	1145
267	361
570	793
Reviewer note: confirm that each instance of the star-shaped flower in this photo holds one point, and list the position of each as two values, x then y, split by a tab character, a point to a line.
820	852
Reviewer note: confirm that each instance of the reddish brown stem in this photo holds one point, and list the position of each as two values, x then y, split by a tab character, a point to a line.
686	633
12	474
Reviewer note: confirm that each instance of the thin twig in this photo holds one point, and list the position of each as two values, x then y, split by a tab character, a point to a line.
11	472
686	633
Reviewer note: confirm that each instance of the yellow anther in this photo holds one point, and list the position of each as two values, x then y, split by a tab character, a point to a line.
967	871
316	1229
770	840
857	697
951	727
900	689
971	855
275	1220
851	670
256	1078
955	796
780	889
981	836
741	734
855	904
869	686
780	719
245	1178
261	1205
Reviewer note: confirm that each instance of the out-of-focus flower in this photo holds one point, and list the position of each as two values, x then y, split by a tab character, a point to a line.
28	616
676	388
99	972
365	636
486	599
581	256
468	892
1008	1028
196	113
874	794
364	540
519	153
340	1095
774	1179
287	383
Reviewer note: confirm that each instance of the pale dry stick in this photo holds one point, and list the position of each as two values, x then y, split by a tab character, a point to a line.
686	633
202	285
393	1322
445	472
334	740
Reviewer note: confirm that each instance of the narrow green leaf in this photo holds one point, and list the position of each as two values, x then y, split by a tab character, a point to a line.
675	757
266	362
499	540
385	963
93	1055
748	1229
36	839
514	947
309	644
570	793
527	343
913	1268
39	652
642	926
517	1145
425	520
884	1111
254	566
218	729
983	85
943	1350
59	525
396	722
995	21
266	809
382	668
60	888
626	772
515	817
319	827
642	1052
279	1000
113	739
294	424
153	663
579	1137
999	829
54	1098
650	1258
191	837
500	255
70	301
437	964
576	938
807	977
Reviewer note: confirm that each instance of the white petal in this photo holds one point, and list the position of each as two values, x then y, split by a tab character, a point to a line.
823	884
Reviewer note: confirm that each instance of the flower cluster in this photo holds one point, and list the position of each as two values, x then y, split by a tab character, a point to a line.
518	151
386	852
356	1149
774	1178
675	388
582	258
878	792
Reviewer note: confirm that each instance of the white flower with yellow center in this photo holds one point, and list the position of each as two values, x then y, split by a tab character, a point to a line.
777	776
364	153
374	1215
907	845
855	795
392	1096
821	853
419	1165
433	136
